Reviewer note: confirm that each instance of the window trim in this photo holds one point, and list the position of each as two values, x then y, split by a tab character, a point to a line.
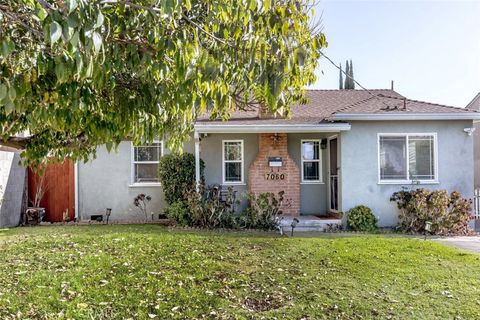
242	172
133	162
435	180
320	162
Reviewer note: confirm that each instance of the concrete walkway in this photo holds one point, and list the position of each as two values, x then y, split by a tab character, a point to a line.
471	243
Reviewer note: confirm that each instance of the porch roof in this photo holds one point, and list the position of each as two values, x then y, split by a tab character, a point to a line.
327	110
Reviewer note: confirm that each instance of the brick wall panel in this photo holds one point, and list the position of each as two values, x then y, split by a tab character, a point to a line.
276	145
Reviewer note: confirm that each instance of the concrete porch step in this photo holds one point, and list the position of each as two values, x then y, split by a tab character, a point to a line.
309	223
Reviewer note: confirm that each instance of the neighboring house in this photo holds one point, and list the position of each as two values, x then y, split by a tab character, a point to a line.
342	149
474	105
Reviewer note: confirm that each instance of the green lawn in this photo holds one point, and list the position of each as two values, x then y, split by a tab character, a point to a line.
142	272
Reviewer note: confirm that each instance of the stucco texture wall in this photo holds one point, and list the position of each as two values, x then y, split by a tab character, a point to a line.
211	153
359	170
313	196
106	183
12	184
476	148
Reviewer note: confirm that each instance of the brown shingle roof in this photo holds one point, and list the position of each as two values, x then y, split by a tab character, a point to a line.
474	104
322	104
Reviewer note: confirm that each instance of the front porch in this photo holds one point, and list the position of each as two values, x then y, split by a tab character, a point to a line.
303	163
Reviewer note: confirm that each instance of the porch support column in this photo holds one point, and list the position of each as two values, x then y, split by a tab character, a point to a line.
196	136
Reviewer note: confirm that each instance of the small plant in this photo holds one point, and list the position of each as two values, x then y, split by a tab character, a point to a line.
40	189
141	202
361	218
447	213
263	211
178	212
209	210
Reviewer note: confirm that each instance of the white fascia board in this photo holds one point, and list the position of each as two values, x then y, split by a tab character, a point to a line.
406	116
271	128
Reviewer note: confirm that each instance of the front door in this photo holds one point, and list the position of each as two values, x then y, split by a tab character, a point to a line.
333	173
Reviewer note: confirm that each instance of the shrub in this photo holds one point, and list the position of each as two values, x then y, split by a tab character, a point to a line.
140	202
206	210
448	213
177	172
178	212
361	218
263	211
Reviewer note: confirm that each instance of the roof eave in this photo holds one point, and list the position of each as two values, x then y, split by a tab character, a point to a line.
405	116
270	128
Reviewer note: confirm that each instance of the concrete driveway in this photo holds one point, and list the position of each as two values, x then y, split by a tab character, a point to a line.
471	243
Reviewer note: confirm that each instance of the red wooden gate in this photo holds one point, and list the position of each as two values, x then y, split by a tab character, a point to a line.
59	184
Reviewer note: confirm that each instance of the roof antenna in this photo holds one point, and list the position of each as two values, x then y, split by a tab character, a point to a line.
392	86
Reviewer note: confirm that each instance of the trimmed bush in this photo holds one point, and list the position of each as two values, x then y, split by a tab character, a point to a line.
178	212
361	218
448	213
177	173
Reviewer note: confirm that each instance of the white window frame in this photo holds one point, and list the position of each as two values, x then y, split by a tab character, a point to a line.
435	180
242	181
133	162
320	163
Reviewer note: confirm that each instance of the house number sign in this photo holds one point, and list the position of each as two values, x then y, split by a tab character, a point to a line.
274	176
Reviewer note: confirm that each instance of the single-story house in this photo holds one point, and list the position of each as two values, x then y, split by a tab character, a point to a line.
341	149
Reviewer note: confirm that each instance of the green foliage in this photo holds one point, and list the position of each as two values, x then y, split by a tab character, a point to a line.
78	73
178	212
207	210
352	83
361	218
177	173
448	213
349	79
263	211
347	74
340	77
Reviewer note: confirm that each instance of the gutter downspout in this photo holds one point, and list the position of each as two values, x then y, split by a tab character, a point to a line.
75	178
196	137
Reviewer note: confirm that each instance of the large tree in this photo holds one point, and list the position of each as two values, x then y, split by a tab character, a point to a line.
75	74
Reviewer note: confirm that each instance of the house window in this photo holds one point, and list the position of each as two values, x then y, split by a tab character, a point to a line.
311	161
145	163
232	161
406	158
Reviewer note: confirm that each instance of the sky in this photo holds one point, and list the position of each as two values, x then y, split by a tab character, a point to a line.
431	49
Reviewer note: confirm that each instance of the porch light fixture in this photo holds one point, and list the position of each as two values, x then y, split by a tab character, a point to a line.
294	223
469	131
323	144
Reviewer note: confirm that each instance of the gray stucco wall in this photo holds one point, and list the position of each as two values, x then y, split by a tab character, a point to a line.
106	183
313	196
359	172
12	184
211	153
476	148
